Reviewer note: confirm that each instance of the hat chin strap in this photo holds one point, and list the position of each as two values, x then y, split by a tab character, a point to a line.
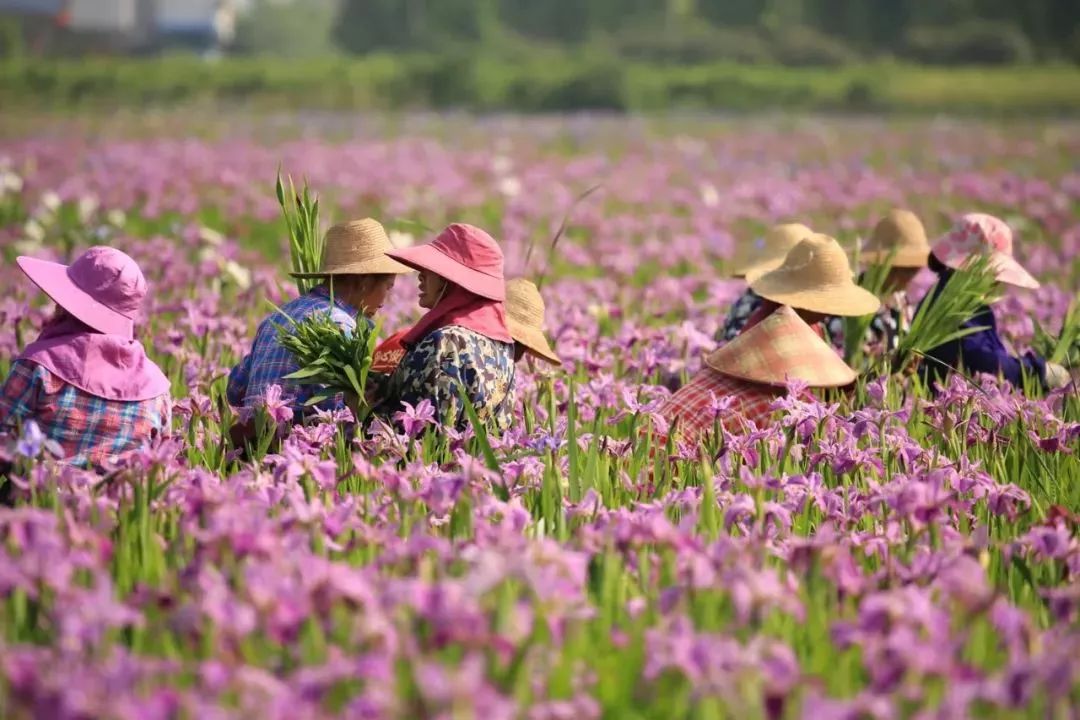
442	292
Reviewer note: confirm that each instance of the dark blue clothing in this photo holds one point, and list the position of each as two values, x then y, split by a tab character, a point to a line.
979	352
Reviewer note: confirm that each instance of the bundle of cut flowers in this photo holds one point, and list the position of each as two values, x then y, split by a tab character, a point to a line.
329	357
335	360
855	328
301	213
940	317
1065	348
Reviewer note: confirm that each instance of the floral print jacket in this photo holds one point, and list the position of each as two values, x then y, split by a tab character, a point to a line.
446	357
885	329
883	333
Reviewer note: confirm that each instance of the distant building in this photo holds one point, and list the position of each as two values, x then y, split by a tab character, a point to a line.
126	25
200	23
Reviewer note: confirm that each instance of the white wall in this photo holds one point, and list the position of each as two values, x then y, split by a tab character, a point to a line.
185	13
103	15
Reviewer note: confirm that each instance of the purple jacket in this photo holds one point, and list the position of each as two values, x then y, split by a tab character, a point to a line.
979	352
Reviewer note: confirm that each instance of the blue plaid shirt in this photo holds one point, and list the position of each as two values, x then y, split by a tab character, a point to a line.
268	362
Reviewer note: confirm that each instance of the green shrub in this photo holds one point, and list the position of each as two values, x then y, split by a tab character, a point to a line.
806	47
536	80
973	43
693	44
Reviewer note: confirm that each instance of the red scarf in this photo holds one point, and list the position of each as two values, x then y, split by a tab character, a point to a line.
460	307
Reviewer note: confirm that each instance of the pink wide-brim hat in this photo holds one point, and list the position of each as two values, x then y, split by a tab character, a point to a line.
464	255
103	288
979	232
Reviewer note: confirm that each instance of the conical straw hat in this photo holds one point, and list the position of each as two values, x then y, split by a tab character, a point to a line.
357	247
779	349
900	230
525	318
816	276
766	253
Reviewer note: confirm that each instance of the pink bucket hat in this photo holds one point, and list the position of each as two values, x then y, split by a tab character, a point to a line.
465	255
978	232
103	288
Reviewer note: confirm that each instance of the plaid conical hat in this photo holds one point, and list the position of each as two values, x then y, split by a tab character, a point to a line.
525	318
816	276
357	247
900	230
767	252
779	349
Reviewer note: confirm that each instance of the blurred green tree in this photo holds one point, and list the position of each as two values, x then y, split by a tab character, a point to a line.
293	28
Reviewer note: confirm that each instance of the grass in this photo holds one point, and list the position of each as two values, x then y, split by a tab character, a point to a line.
532	84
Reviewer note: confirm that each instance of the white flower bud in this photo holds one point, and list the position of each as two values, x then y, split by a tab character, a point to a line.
50	201
210	236
34	231
401	239
238	274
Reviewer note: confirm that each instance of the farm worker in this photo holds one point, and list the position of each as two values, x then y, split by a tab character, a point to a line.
86	381
525	319
816	281
357	278
463	340
742	379
983	351
901	236
764	254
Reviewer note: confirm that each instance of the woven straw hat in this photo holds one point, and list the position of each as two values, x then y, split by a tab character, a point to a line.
902	230
525	318
779	349
766	253
358	247
816	276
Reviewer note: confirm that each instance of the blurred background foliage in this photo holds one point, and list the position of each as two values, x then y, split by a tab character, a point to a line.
957	56
788	32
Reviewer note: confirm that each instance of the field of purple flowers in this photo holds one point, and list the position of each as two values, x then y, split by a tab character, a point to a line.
891	556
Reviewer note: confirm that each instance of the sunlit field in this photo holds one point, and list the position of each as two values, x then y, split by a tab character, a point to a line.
891	555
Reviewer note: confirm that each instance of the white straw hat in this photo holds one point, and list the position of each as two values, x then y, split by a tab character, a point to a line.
902	231
816	276
358	247
767	252
525	318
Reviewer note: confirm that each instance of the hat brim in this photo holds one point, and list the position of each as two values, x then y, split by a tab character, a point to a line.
377	266
839	300
904	258
1006	269
428	257
780	349
752	271
533	341
53	280
833	376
